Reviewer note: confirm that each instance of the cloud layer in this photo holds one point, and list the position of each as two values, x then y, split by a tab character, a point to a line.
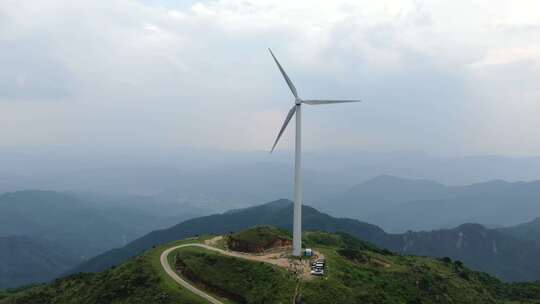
448	77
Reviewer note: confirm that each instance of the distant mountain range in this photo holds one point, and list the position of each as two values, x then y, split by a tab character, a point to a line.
489	250
44	233
398	204
25	260
72	230
222	180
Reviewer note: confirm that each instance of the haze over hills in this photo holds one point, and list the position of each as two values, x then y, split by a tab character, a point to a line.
24	260
366	200
398	204
85	224
220	180
79	229
83	228
480	248
526	231
49	232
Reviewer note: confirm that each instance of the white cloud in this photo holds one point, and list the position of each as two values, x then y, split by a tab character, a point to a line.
118	71
510	55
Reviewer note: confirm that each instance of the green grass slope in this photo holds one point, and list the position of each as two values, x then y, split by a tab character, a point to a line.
139	280
239	280
356	272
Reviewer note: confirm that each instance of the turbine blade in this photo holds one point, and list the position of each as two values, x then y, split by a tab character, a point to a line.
285	123
289	82
322	101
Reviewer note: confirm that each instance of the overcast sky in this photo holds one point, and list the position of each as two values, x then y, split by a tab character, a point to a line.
447	77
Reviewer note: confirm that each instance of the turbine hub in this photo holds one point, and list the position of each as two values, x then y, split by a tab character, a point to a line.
298	101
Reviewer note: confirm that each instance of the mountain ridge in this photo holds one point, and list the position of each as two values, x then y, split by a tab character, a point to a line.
80	229
427	205
430	243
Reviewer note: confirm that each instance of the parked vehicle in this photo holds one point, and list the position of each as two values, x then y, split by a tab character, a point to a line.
317	271
317	267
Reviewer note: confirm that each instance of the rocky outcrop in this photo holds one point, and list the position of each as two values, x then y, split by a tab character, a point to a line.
249	247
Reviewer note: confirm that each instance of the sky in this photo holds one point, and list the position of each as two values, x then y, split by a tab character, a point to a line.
445	77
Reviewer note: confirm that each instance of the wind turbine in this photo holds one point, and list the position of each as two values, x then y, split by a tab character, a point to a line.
297	108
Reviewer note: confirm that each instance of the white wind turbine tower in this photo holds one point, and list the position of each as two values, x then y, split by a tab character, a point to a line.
297	108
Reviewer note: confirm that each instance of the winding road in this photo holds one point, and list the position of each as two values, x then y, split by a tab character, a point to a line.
165	264
179	280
